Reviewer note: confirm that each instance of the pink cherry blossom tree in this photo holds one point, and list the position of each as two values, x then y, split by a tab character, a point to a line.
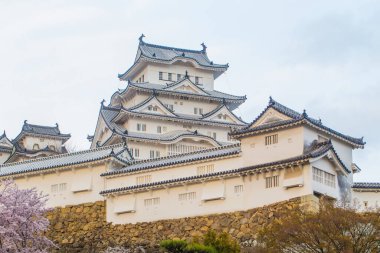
22	221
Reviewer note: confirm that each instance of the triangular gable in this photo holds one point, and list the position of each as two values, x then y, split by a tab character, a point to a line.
333	157
270	115
223	114
5	142
152	106
186	85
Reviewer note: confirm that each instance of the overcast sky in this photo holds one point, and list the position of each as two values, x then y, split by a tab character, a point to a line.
59	59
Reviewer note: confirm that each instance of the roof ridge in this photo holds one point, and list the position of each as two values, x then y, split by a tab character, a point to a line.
189	153
171	48
61	155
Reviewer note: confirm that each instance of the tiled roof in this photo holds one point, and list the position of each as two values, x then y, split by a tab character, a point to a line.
109	113
163	54
178	159
41	130
296	118
366	185
160	88
5	144
69	159
315	151
182	116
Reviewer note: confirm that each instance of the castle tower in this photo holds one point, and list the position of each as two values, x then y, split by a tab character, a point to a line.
169	105
36	141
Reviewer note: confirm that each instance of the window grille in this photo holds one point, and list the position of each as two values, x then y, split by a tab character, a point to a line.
271	182
271	139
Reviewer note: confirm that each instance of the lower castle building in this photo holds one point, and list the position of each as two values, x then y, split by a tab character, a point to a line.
169	145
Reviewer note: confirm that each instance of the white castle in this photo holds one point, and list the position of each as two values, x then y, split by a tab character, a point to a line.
170	146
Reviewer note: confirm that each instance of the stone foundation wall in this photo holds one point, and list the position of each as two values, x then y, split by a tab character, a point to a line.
83	228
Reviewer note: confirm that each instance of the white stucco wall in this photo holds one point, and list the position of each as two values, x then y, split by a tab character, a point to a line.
70	177
369	198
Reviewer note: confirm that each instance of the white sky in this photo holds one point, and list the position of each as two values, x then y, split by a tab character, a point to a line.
59	59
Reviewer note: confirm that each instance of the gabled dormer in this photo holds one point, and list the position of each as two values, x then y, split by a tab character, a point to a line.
186	85
223	114
152	106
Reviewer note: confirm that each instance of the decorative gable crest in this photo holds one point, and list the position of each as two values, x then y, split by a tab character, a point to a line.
270	115
153	106
186	85
223	114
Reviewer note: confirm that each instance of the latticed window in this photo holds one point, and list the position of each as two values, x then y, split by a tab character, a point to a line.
151	202
323	177
205	169
143	179
175	149
273	181
187	196
238	188
318	175
160	75
271	139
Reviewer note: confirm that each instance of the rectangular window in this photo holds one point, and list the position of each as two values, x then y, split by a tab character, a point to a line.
58	187
151	202
271	182
169	76
158	154
238	188
187	196
142	78
137	152
169	106
205	169
151	154
178	77
214	135
160	75
200	110
323	177
196	80
62	187
143	179
271	139
195	110
141	127
159	129
54	188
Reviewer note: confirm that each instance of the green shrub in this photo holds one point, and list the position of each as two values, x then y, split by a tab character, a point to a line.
199	248
222	243
210	243
174	246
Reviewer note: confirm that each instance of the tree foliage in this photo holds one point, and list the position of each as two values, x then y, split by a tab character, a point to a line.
22	221
210	243
332	228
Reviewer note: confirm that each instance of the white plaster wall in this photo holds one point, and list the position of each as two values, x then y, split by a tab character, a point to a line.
371	197
254	195
183	106
29	141
290	144
3	157
174	172
152	71
44	182
327	166
151	127
343	150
